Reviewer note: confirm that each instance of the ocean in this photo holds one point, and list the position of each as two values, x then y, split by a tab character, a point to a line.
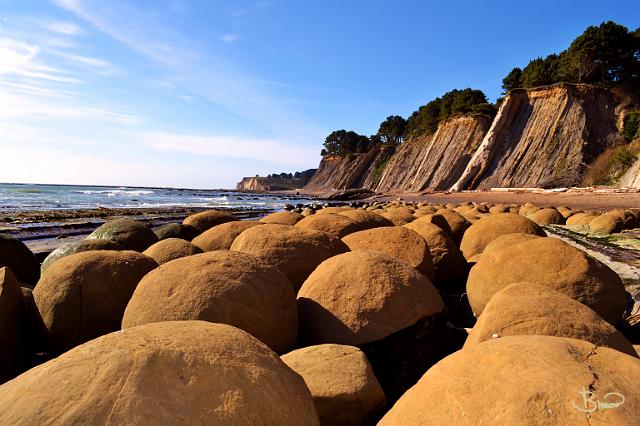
25	197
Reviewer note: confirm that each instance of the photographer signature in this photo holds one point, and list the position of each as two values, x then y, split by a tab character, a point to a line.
590	404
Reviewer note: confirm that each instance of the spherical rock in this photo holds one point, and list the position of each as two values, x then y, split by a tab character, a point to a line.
345	391
282	218
129	234
361	297
333	224
398	216
176	230
182	372
170	249
13	327
294	251
487	229
208	219
220	237
83	296
333	210
552	263
548	217
223	287
438	220
581	219
607	223
525	309
399	242
499	208
450	267
366	219
17	257
78	247
524	380
457	223
503	242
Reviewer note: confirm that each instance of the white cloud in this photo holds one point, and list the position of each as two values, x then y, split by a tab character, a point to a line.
65	28
101	66
229	38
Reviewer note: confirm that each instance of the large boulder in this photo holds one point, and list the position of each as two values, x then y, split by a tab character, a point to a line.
581	219
208	219
398	216
182	372
77	247
361	297
525	380
83	296
170	249
14	341
487	229
333	224
502	242
552	263
176	230
400	242
450	267
366	219
223	287
436	219
129	234
282	218
607	223
457	223
295	251
221	237
523	308
548	217
345	391
17	257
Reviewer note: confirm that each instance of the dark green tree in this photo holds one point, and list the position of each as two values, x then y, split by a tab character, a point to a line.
391	130
513	80
541	72
341	142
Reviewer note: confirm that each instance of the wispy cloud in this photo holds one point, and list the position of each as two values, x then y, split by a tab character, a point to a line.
65	28
228	38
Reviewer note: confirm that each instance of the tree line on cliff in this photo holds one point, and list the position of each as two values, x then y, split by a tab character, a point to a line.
606	55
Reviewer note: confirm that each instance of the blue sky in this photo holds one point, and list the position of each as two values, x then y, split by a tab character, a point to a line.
195	93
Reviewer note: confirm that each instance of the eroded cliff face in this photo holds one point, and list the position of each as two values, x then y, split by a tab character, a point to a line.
631	178
436	161
342	172
543	135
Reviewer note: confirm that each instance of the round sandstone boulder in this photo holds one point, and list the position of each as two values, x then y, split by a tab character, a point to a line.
219	286
548	217
83	296
333	224
438	220
15	255
581	219
220	237
182	372
399	242
398	216
366	219
524	309
294	251
361	296
344	389
170	249
487	229
282	218
457	223
524	380
502	242
554	264
204	220
129	234
607	223
14	340
176	230
78	247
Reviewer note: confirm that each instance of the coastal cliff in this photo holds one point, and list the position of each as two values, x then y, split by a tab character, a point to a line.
543	135
435	161
342	172
274	183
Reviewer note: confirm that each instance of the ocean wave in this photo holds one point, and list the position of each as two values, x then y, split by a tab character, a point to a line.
115	192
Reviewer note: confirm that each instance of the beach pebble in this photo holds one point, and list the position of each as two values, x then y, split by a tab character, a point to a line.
220	286
128	233
552	263
523	308
181	372
524	380
345	391
220	237
294	251
204	220
83	295
170	249
361	297
15	255
402	243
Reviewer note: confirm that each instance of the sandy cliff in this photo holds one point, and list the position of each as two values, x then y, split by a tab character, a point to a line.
544	134
435	161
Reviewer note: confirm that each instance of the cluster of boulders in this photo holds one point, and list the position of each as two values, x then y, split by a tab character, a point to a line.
393	312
